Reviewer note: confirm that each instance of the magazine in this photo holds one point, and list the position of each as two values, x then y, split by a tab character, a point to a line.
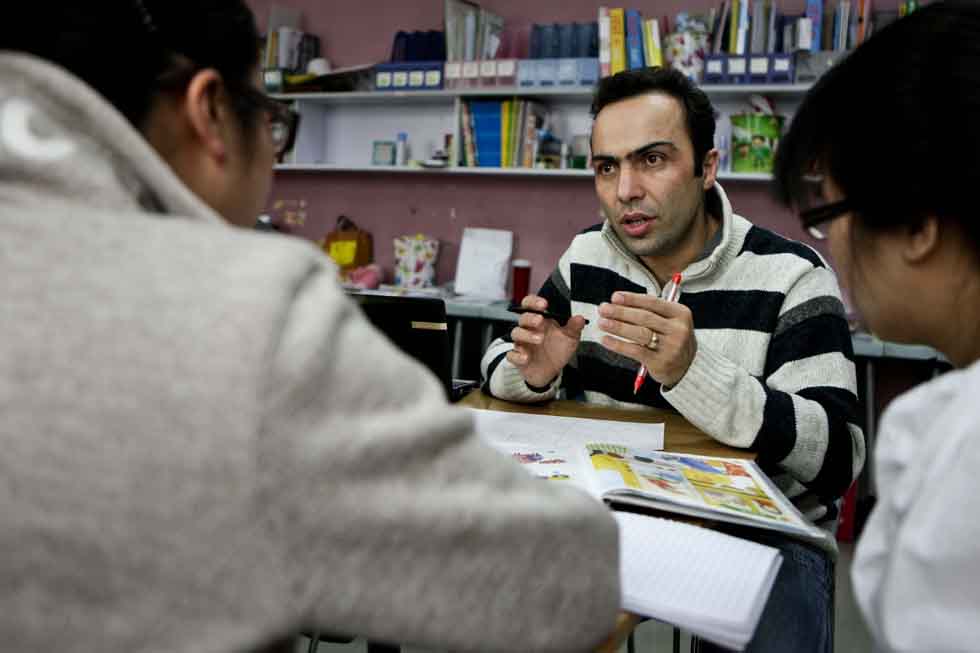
724	489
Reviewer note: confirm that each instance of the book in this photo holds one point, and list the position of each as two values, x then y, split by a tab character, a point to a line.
652	48
604	46
718	32
617	41
733	26
742	36
731	490
634	40
760	25
469	146
814	11
708	583
460	18
489	36
506	115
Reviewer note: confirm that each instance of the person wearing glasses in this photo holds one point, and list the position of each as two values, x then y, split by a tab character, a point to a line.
757	352
206	447
881	159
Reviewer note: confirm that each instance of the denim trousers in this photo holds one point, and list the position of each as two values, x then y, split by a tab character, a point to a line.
799	615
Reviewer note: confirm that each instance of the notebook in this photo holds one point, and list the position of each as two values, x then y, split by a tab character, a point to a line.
708	583
418	326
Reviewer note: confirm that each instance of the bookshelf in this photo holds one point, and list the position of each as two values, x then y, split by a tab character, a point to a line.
338	129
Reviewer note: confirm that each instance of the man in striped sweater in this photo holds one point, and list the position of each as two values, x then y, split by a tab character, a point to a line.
756	352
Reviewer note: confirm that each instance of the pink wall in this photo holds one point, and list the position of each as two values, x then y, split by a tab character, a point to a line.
543	213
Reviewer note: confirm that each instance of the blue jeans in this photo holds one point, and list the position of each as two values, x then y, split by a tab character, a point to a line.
799	615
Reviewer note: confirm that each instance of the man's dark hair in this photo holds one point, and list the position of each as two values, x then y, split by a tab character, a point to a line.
128	50
699	114
896	125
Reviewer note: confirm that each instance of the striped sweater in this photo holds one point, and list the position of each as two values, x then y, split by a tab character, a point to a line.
774	370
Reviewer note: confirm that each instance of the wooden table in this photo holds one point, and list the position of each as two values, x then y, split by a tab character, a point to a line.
679	435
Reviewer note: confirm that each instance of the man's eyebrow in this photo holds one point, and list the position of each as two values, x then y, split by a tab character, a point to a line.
637	152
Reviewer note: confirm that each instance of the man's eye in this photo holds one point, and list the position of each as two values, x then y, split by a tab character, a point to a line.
605	169
653	158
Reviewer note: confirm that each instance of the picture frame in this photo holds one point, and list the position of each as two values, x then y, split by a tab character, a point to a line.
383	153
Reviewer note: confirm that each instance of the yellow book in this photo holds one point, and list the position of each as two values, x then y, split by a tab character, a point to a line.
651	40
647	44
733	28
617	41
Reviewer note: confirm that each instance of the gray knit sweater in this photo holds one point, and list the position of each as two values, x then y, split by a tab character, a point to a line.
205	446
774	369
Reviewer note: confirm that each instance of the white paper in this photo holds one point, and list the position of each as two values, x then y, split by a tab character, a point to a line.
705	582
484	261
565	432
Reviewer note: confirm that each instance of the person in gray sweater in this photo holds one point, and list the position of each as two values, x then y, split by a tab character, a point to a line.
206	447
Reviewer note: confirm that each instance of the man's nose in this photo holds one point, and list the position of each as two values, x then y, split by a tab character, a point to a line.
629	187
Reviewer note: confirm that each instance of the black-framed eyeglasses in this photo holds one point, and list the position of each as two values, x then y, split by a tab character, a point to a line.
283	121
814	219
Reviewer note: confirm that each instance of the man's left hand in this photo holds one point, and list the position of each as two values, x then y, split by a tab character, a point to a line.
652	331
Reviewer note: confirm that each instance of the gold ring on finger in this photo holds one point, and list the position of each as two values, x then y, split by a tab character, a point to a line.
654	341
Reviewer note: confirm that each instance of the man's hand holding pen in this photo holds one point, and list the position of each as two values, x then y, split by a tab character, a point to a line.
542	347
657	333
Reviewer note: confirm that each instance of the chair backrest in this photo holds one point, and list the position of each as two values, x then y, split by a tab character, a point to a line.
417	326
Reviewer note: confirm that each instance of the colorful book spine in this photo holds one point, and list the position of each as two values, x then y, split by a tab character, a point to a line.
604	49
469	147
733	26
486	131
505	118
653	27
634	39
814	11
617	41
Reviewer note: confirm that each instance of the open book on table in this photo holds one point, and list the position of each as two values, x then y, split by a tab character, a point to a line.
709	487
707	582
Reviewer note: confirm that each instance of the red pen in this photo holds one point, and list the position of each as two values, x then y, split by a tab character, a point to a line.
673	293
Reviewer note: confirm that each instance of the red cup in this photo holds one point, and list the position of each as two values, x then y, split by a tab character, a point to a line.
521	275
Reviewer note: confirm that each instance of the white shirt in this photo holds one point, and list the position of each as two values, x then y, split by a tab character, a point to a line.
916	571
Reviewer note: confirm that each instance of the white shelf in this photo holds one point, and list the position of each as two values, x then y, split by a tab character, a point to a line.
370	97
512	172
581	92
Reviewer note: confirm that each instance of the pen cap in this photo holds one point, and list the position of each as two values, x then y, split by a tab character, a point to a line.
672	289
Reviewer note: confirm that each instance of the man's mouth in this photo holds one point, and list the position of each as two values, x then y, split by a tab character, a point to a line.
637	224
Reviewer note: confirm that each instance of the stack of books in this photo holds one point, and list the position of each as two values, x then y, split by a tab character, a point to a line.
501	133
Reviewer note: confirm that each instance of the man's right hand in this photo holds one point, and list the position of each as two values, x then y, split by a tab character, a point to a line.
542	348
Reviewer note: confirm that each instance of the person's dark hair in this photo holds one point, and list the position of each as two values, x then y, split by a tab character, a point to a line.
128	50
699	114
896	125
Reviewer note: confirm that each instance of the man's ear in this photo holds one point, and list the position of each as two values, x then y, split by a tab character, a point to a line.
709	168
206	114
920	240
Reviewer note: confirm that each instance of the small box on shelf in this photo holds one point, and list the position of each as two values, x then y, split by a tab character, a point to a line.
737	69
781	69
507	72
488	72
409	76
715	69
526	73
470	77
750	69
545	72
758	69
452	74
